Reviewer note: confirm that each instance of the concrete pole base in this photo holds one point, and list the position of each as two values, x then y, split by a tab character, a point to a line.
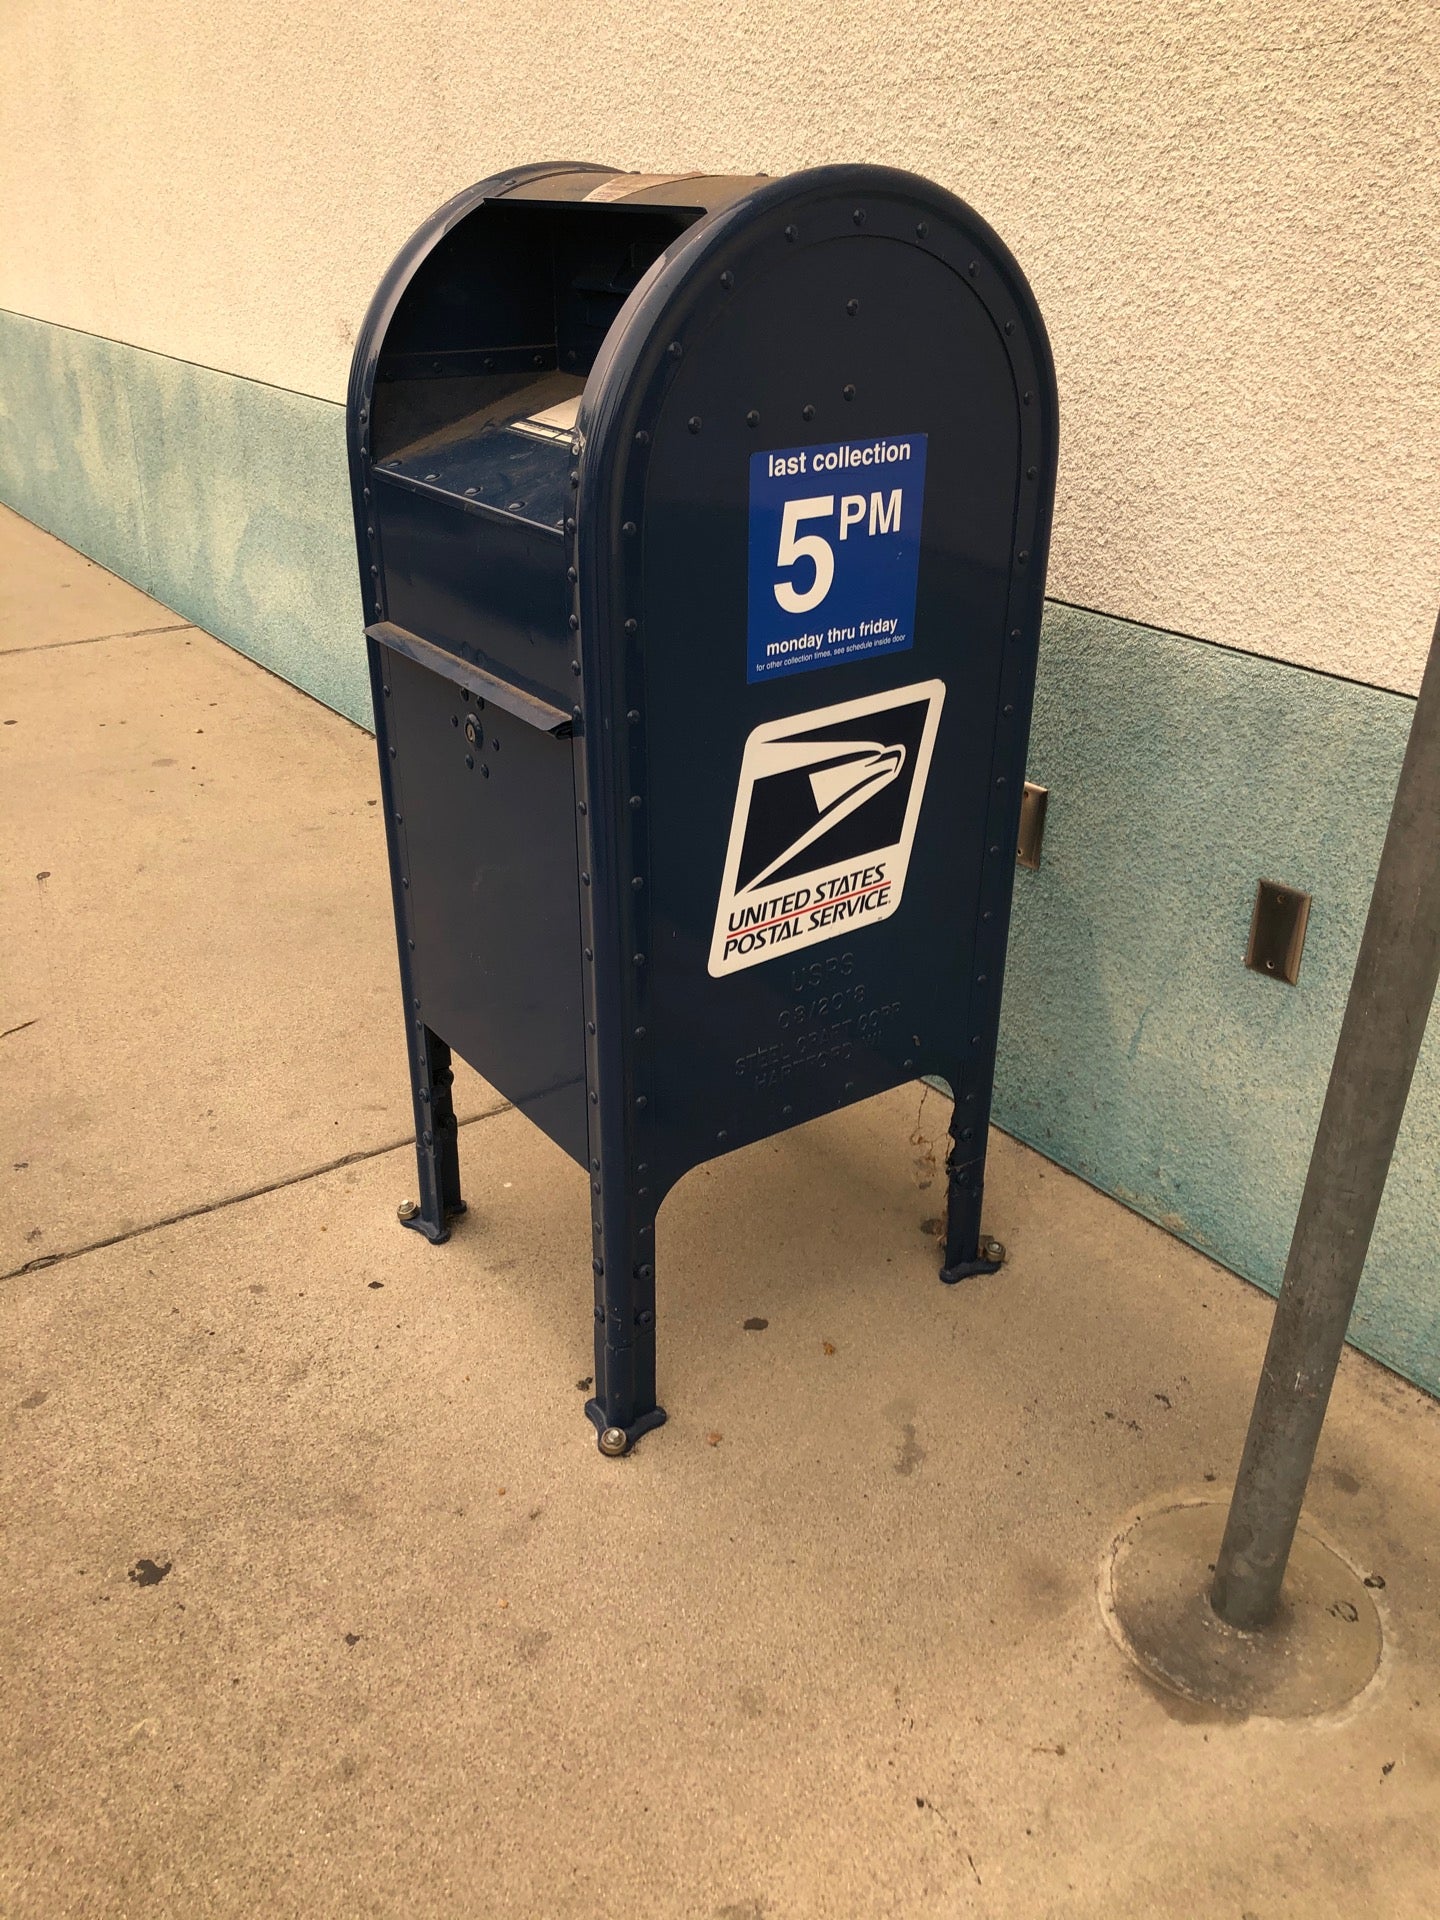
1321	1650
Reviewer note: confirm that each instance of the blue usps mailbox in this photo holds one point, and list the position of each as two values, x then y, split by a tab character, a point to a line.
702	529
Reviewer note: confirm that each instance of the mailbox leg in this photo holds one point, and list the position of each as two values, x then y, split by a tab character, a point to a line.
967	1250
624	1404
437	1137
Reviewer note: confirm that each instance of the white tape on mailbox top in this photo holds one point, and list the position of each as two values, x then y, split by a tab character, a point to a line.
621	185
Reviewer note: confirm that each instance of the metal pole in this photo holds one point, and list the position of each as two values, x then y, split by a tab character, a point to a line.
1380	1038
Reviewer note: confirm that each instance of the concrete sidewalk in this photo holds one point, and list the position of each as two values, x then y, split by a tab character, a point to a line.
319	1598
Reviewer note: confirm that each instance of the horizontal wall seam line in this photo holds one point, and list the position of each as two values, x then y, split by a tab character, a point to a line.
46	1260
1079	606
179	359
94	639
1229	646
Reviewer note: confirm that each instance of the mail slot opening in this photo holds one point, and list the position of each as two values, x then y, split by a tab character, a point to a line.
504	319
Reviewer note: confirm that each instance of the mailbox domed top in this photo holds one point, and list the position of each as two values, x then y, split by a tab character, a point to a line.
539	295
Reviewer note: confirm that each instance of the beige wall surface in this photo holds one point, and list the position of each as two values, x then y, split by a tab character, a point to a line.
1228	210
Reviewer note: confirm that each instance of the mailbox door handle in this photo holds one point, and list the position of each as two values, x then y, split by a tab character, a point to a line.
519	701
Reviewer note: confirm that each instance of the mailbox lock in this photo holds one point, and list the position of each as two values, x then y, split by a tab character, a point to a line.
472	729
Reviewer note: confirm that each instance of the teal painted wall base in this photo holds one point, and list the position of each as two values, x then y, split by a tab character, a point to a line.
226	499
1135	1047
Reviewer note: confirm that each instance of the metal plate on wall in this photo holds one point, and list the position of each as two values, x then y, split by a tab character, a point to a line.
1033	802
1277	931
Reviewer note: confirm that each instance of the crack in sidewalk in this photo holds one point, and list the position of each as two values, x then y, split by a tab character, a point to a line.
94	639
43	1260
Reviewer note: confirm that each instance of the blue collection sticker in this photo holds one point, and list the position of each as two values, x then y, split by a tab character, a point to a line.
834	552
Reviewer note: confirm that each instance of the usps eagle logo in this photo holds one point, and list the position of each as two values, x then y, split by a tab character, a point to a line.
825	816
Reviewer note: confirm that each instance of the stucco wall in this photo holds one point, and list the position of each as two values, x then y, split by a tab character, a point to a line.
1228	210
